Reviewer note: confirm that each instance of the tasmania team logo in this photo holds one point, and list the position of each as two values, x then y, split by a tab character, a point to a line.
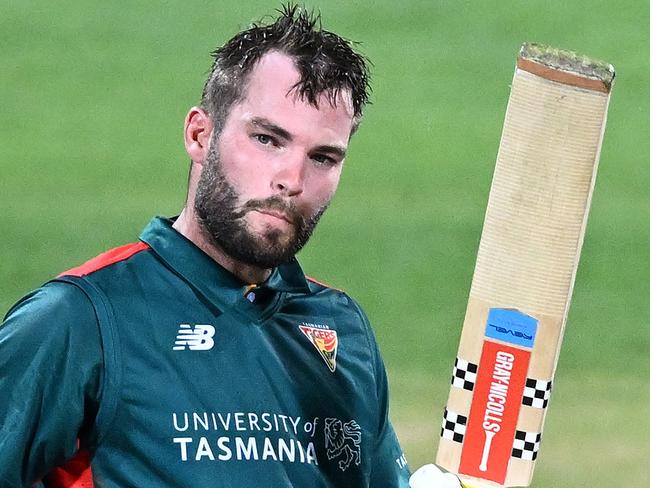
324	340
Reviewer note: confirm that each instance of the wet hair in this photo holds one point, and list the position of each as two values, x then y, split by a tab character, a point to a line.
327	63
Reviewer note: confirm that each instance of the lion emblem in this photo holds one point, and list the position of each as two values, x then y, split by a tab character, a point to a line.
343	439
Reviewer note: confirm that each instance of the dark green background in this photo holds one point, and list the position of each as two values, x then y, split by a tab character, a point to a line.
92	100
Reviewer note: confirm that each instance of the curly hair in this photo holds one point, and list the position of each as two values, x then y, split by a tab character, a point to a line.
327	63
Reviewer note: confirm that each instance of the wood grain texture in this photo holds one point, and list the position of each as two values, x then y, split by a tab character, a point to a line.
532	234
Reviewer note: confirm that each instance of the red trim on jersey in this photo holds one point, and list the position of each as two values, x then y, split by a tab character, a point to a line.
309	278
76	473
107	258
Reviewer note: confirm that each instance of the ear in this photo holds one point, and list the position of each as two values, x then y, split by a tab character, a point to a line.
197	134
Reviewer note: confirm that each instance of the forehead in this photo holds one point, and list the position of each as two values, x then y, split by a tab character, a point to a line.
271	93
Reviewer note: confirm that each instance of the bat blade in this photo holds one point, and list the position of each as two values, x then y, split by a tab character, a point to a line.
526	266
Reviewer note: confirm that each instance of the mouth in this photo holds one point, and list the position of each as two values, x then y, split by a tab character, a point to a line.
275	213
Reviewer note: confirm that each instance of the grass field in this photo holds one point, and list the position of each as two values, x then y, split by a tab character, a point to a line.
92	100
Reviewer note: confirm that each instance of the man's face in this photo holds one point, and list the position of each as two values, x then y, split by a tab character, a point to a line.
271	172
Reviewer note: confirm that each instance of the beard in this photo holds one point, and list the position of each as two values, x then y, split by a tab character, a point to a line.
222	219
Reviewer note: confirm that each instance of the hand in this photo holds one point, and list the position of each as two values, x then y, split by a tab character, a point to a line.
431	476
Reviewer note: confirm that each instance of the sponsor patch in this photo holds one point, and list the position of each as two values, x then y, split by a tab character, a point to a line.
343	441
197	338
511	326
268	436
324	340
494	411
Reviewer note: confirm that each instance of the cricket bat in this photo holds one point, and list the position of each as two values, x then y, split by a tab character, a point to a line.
526	266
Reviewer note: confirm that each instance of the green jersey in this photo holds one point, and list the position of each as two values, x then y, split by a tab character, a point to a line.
151	365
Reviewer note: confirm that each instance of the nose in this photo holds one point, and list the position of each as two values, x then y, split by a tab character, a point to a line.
289	178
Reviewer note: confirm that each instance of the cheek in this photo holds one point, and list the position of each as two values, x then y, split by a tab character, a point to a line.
244	167
324	185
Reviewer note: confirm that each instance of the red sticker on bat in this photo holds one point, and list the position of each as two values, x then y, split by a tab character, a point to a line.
494	412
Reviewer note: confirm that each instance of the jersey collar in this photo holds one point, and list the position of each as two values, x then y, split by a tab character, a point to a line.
188	260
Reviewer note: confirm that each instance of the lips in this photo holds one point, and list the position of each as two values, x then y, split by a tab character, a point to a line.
275	213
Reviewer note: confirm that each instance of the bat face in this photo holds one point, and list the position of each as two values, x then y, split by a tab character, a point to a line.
525	269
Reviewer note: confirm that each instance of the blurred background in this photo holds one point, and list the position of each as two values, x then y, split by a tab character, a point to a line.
92	100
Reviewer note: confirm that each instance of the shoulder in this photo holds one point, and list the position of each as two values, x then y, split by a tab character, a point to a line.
341	300
66	301
56	317
107	259
318	286
345	305
53	299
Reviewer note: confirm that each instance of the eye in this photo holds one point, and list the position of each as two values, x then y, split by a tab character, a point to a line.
265	139
324	160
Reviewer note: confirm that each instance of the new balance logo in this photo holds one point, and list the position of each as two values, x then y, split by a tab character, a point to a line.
198	338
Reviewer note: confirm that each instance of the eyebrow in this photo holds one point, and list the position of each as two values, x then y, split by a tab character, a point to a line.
266	124
275	129
335	150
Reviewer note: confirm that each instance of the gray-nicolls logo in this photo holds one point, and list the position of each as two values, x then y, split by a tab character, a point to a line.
343	439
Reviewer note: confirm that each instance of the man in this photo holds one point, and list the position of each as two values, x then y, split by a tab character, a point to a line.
202	355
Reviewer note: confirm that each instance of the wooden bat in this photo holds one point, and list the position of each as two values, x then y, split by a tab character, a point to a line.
526	267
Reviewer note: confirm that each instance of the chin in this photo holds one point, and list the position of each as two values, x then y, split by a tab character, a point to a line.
277	238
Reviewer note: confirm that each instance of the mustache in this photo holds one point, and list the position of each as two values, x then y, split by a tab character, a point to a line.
274	203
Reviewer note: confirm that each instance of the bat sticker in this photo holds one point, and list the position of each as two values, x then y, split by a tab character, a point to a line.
498	393
511	326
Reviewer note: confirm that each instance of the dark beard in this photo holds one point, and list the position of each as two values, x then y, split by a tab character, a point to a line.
222	221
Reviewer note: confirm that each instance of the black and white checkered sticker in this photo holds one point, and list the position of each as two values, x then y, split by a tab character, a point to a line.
537	393
526	445
453	426
464	375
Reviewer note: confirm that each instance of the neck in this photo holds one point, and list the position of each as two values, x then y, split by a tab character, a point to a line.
188	225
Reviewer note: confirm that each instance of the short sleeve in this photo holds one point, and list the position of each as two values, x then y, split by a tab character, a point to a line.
50	379
389	466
